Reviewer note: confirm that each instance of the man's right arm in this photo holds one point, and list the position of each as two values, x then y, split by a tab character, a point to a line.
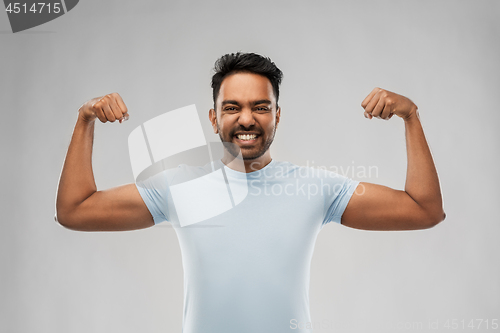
79	206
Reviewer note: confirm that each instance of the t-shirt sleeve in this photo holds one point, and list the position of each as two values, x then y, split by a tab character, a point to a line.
154	193
336	201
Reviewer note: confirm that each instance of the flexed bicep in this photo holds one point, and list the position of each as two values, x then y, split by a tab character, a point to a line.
116	209
378	207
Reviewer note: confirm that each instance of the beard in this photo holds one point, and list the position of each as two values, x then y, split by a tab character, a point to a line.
235	150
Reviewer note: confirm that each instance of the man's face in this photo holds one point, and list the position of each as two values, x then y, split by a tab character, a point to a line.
246	114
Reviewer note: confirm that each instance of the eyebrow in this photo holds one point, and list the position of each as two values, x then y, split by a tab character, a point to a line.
260	101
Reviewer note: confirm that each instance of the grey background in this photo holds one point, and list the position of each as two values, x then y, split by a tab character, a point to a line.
158	55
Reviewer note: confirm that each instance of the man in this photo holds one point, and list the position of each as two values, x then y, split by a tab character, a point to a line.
252	273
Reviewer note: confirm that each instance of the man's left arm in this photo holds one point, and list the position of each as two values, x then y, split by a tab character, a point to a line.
420	205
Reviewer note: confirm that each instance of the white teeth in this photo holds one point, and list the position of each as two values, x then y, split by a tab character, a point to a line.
246	136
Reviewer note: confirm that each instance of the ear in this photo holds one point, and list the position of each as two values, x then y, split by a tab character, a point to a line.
278	115
212	115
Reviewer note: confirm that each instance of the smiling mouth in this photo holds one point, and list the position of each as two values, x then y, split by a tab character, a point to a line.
246	138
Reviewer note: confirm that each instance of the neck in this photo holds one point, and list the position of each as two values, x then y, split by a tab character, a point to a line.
246	165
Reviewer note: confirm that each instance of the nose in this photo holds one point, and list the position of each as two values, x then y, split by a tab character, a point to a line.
246	118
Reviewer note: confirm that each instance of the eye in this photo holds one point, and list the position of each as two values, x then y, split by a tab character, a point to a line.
230	108
262	108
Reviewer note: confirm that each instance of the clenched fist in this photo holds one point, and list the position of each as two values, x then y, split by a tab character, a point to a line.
383	104
106	108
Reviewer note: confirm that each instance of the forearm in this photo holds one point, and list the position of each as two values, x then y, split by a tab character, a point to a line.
422	183
77	178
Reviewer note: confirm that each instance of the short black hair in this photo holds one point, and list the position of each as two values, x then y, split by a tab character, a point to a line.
245	62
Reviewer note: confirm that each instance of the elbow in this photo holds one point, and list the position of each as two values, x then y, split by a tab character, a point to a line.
64	219
61	215
61	219
434	219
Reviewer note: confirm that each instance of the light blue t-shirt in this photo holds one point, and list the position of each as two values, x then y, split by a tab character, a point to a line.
247	269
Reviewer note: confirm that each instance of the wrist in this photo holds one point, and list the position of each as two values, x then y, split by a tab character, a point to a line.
413	114
84	120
